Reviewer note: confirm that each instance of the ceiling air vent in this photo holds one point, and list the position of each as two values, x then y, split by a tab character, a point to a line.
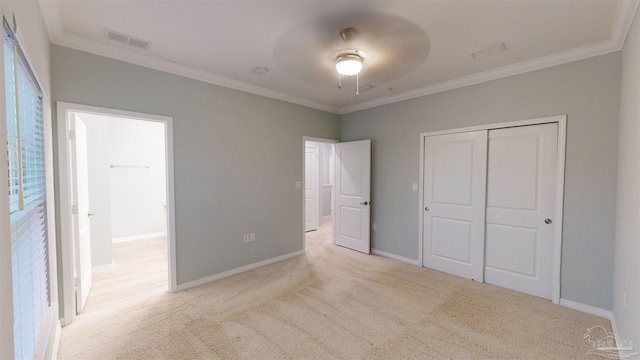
489	50
126	39
366	88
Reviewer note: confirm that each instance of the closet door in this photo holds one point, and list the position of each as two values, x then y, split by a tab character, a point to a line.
455	172
520	208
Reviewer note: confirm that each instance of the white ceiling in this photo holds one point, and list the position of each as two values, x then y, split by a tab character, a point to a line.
413	48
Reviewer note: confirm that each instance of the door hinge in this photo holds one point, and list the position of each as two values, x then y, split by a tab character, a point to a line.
76	281
72	135
74	210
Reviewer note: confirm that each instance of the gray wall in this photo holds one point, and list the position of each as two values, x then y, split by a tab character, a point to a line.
627	245
587	91
237	157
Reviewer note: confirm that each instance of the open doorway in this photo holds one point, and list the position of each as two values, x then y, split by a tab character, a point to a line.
116	179
318	188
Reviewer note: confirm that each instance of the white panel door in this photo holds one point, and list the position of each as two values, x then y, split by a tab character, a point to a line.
311	187
81	231
455	172
353	185
520	198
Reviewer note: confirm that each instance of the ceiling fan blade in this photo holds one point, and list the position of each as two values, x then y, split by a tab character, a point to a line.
393	47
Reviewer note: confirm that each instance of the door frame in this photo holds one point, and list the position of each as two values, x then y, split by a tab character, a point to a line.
84	286
561	120
304	147
66	239
318	206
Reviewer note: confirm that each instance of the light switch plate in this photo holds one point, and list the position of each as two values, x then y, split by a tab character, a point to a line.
414	186
298	185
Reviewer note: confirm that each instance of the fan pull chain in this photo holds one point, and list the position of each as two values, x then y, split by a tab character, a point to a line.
339	82
357	85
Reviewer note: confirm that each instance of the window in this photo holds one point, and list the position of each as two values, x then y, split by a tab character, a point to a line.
27	198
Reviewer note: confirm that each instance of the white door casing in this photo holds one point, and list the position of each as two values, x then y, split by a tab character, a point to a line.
65	113
81	212
352	195
312	187
521	207
454	203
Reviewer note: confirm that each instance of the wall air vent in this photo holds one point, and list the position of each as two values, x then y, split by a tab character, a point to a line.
126	39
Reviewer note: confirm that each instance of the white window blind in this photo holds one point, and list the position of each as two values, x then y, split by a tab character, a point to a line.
27	198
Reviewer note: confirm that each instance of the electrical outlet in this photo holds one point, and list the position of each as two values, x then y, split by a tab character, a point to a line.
245	238
252	237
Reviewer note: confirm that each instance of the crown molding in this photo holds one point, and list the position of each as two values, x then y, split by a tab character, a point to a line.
50	11
624	16
499	73
625	13
133	57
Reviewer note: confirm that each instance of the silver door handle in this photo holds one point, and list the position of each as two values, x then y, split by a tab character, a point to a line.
90	214
548	221
426	208
364	203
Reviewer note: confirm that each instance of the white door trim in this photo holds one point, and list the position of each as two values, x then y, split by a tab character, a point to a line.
304	146
67	264
559	205
314	147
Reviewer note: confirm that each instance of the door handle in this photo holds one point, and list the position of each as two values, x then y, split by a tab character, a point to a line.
364	203
426	208
90	214
548	221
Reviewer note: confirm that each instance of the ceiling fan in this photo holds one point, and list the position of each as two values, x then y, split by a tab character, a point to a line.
349	62
382	47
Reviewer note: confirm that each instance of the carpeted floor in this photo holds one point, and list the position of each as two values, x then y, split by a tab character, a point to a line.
333	303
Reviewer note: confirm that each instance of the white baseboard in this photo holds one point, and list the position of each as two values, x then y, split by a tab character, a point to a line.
607	314
102	268
56	342
138	237
239	270
395	257
614	327
49	339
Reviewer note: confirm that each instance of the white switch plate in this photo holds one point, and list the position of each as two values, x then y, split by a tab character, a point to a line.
414	186
245	238
252	237
298	185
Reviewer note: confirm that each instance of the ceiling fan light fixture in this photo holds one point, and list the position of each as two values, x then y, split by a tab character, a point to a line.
349	65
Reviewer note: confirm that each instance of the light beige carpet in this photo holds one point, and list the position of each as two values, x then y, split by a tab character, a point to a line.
333	303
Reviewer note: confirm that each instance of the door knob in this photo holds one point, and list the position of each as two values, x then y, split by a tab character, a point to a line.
364	203
426	208
548	221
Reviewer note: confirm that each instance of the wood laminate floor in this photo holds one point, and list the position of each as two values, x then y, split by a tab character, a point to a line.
140	270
